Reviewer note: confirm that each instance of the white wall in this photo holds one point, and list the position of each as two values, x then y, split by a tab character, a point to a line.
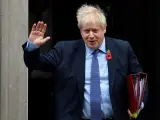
13	73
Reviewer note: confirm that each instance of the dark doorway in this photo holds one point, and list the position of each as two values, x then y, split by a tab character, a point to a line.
127	20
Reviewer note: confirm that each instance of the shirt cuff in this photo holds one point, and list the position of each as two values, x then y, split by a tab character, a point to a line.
31	46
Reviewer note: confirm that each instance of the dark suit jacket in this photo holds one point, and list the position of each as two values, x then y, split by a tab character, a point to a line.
67	61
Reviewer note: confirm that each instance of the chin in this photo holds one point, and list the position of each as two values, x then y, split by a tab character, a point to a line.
92	47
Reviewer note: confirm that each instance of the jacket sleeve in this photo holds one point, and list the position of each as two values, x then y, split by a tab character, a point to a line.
135	67
45	62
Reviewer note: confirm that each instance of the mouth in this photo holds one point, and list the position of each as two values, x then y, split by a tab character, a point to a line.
92	41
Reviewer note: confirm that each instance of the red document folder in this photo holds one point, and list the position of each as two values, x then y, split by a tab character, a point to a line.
136	84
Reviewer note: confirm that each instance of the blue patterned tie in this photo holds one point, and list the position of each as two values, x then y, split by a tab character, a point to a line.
95	89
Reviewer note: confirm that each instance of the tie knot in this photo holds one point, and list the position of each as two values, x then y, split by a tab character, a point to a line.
95	52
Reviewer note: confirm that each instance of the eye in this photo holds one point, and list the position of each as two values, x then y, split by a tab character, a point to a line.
86	30
95	30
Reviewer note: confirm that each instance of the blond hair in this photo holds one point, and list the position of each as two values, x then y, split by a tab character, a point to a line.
91	14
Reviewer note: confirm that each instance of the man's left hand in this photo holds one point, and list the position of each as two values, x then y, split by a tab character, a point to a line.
135	115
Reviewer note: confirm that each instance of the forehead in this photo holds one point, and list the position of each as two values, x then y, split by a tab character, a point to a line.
91	25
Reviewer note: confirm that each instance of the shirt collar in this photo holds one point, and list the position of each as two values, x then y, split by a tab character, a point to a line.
89	51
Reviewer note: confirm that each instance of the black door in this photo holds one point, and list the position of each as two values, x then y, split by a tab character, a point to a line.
129	20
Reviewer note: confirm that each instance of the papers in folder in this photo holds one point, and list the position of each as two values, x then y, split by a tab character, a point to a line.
136	84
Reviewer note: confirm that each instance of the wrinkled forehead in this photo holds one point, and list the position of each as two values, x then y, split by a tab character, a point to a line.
91	25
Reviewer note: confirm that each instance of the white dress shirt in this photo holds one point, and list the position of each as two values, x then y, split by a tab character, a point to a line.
106	106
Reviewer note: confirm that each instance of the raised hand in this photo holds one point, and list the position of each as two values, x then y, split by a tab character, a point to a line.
37	33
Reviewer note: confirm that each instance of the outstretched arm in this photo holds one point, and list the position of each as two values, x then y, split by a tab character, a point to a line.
32	57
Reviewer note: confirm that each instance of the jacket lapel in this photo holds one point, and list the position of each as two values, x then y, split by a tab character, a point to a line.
112	62
79	65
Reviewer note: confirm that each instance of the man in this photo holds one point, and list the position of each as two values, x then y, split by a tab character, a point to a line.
91	73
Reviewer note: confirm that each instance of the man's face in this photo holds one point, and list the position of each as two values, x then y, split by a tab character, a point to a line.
92	34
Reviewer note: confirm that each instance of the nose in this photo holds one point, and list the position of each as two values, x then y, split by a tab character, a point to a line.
91	34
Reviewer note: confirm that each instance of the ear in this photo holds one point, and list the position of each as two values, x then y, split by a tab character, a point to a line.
80	32
104	29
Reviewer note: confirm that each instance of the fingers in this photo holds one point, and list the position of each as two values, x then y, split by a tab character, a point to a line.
129	112
41	24
38	26
44	28
41	27
46	39
139	110
34	27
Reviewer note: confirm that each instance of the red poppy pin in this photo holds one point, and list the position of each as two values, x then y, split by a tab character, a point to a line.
108	55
